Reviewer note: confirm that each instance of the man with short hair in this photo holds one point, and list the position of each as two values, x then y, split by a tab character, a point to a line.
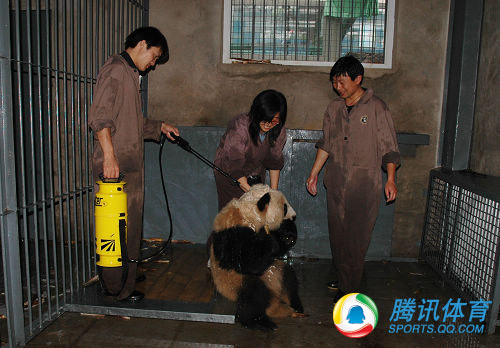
119	126
359	138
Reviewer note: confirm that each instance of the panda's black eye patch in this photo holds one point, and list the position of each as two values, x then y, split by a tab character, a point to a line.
285	209
263	201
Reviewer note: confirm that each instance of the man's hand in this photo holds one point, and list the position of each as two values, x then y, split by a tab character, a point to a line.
167	129
390	187
312	184
390	191
110	168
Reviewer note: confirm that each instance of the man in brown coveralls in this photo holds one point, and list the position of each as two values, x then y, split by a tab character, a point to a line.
359	138
120	128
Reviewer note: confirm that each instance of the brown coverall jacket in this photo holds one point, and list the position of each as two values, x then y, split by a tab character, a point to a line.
117	105
238	156
359	143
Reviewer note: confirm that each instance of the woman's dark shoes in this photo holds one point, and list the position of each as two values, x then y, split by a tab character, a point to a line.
136	296
333	285
338	296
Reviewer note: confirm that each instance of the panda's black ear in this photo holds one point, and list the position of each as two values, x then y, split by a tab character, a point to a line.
263	201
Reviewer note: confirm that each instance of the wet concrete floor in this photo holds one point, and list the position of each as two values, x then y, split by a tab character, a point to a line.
384	282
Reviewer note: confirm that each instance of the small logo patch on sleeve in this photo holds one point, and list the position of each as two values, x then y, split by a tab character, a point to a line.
364	119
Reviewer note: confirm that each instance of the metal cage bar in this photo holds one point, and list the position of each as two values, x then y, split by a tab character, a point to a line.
308	30
50	51
461	239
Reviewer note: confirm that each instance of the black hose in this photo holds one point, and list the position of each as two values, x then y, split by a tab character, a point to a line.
185	145
169	240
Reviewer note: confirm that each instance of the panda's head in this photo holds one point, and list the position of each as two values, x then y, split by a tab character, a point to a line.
263	206
263	210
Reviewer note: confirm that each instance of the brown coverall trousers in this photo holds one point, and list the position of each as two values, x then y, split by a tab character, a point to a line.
359	143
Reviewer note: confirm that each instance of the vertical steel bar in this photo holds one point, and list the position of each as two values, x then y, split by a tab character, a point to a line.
72	188
87	85
374	33
253	31
42	162
9	229
134	20
79	124
330	29
128	16
362	34
242	26
318	31
275	20
97	42
29	63
144	81
50	136
113	28
92	75
296	27
58	108
264	29
285	13
109	53
307	30
66	194
103	33
119	19
21	154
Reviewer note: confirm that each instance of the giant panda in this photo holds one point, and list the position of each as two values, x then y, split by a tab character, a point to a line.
248	236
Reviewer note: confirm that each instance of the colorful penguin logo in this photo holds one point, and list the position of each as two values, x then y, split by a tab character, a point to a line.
355	315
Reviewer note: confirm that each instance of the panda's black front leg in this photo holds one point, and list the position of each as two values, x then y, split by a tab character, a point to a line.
253	299
291	285
256	253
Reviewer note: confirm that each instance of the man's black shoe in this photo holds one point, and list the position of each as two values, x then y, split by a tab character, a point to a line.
140	278
136	296
338	296
333	285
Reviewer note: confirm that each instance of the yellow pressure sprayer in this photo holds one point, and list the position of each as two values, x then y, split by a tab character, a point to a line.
111	215
111	223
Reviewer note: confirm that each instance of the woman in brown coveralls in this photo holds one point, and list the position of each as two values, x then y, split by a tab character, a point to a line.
253	142
120	128
359	138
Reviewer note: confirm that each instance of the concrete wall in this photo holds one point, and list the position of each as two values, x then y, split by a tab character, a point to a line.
485	157
195	89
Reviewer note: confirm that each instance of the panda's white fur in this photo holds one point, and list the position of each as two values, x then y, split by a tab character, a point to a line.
243	211
237	216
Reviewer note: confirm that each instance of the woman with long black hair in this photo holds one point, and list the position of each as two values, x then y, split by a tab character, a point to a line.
253	143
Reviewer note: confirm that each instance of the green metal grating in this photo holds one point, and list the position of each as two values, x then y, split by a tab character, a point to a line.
462	235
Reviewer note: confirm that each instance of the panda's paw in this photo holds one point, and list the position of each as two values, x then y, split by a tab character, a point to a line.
263	324
298	308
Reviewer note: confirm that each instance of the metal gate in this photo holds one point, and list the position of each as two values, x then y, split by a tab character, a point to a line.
50	51
461	238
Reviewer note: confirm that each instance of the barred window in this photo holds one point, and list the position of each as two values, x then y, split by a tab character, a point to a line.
309	32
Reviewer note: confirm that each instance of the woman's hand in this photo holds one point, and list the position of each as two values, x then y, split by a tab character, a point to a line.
167	129
244	184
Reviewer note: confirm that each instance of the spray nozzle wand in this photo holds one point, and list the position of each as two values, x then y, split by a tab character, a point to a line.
185	145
